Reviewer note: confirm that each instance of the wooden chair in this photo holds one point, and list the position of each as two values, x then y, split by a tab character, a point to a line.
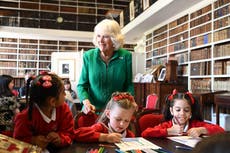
147	119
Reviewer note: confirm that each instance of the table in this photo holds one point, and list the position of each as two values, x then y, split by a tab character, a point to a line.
221	100
162	142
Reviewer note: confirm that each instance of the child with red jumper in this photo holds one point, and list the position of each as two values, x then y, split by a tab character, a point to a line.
113	123
182	116
47	122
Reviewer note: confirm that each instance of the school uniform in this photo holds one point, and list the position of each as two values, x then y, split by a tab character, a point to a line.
92	134
61	122
161	129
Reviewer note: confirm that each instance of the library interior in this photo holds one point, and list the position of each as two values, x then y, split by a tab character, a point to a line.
175	44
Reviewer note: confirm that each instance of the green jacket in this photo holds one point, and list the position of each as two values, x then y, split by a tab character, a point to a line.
98	80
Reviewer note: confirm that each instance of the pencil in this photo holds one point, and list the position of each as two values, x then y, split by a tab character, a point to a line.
178	122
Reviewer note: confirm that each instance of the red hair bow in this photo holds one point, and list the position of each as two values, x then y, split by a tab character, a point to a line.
172	95
191	97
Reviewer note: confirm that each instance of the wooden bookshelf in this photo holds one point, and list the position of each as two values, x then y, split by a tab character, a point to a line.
18	55
199	40
77	15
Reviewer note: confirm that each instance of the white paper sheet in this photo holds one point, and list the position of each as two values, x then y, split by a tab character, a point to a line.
186	140
137	143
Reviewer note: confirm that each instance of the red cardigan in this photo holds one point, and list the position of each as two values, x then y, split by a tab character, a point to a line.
63	125
161	129
92	134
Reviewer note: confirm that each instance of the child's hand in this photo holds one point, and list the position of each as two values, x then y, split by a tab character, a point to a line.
196	132
110	138
54	138
40	140
175	130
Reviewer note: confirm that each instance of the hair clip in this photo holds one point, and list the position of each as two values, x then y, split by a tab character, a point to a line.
47	81
172	95
123	96
191	97
43	72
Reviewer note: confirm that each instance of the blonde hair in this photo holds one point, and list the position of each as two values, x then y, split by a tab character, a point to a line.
123	100
114	30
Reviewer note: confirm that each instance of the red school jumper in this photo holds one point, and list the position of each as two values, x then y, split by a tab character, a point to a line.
63	125
161	129
92	134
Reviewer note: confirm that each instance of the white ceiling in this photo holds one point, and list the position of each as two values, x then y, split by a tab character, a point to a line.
159	12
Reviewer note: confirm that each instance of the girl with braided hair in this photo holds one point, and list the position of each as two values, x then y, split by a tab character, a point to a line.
182	117
47	121
113	123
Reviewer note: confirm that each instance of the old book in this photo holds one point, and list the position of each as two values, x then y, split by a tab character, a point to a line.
11	145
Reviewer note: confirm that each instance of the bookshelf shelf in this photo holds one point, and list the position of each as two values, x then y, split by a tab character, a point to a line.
200	41
32	52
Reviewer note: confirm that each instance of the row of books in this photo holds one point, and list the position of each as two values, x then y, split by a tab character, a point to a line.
148	48
182	58
201	29
26	51
222	84
160	30
222	67
201	11
220	3
25	64
202	68
178	29
198	54
178	21
222	22
179	37
7	50
160	51
160	37
4	56
159	44
221	50
159	61
148	42
27	57
222	34
12	72
222	11
200	84
201	20
201	40
8	64
178	46
44	65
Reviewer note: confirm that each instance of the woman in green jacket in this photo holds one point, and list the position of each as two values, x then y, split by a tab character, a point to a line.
106	68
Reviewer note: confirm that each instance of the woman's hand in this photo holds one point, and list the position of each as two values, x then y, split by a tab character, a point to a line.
110	138
196	132
88	107
175	130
